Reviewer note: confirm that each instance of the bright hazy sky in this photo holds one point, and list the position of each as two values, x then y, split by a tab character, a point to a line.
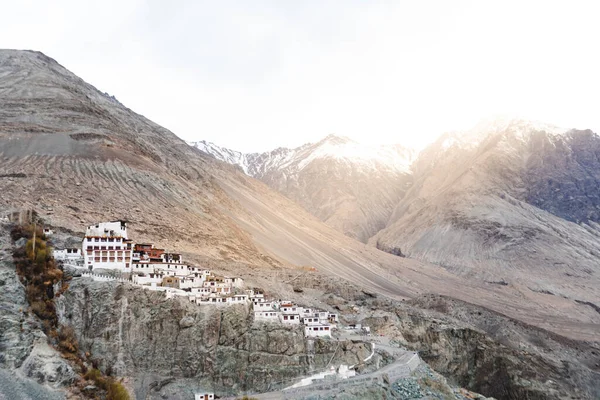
255	75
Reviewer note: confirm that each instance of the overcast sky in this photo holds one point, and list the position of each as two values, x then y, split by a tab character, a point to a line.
255	75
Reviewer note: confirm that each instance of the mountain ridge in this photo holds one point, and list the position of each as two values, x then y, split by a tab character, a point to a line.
350	186
516	207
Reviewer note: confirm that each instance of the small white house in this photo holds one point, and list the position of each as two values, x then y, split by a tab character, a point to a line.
201	291
317	331
267	316
191	281
71	254
234	282
204	396
237	298
48	232
266	306
306	312
213	300
287	307
147	279
311	321
292	319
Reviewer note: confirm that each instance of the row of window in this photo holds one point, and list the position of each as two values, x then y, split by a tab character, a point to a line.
268	314
108	259
109	240
106	253
106	248
311	320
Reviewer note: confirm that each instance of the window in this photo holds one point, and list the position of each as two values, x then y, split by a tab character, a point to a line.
103	239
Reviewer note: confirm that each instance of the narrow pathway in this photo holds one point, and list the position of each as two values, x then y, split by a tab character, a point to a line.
405	363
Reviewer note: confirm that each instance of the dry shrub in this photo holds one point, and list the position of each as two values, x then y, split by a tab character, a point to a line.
63	288
93	374
54	275
438	386
67	341
116	391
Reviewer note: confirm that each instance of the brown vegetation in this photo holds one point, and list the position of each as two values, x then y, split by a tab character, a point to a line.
38	272
115	389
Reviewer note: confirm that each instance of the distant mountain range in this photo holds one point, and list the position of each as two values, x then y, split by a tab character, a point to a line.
351	186
510	200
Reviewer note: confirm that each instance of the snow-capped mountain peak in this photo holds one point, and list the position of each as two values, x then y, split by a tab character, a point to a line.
334	147
222	153
349	185
345	149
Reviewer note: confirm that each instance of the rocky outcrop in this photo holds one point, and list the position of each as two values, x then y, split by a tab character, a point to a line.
562	175
491	354
175	347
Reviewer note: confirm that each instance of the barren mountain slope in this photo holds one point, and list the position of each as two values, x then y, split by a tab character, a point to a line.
78	156
350	186
497	207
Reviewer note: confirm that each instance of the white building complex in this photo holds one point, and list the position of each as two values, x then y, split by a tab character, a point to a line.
316	323
106	245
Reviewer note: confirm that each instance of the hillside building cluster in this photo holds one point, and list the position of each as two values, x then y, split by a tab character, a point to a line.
316	323
106	246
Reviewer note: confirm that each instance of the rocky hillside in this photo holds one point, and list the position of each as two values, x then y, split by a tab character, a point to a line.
157	342
350	186
489	353
511	204
169	348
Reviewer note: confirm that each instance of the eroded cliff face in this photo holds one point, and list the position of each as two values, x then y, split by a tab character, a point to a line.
174	348
491	354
